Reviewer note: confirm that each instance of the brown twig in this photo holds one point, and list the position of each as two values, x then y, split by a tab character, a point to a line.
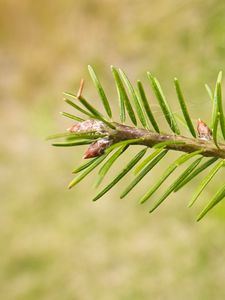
150	138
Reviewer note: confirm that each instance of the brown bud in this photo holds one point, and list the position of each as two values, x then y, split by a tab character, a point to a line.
204	132
87	126
97	148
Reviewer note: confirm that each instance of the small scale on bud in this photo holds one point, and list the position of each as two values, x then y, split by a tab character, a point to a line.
88	126
97	148
204	132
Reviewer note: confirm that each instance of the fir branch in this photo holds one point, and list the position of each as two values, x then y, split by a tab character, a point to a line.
104	135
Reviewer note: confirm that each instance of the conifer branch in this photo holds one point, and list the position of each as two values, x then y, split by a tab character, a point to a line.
108	139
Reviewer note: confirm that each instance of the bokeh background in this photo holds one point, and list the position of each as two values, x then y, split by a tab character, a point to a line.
55	243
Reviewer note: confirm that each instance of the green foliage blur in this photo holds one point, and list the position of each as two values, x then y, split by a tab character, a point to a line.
56	244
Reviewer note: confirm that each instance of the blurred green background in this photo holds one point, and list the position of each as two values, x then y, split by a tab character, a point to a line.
55	243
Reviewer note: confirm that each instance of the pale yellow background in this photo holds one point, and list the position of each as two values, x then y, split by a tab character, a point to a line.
56	244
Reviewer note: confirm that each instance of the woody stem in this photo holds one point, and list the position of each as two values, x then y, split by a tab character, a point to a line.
150	138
